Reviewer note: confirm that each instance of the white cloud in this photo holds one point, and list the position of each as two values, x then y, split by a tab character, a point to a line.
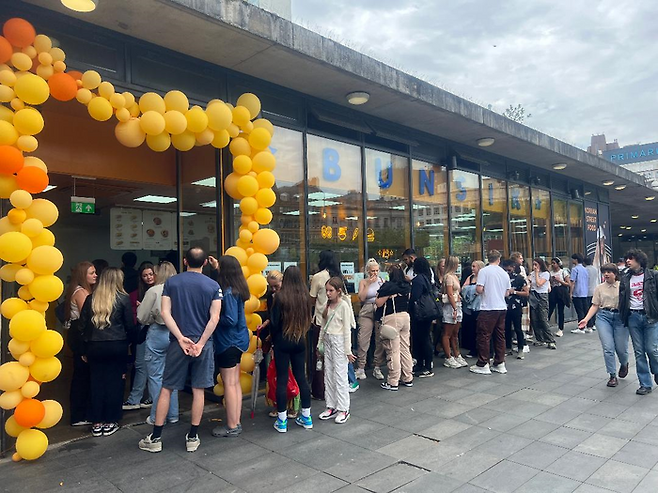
579	67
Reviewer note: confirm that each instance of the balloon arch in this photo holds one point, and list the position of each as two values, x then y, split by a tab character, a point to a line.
32	70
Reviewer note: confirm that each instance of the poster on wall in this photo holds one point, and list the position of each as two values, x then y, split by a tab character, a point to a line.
603	253
200	230
126	229
158	230
591	228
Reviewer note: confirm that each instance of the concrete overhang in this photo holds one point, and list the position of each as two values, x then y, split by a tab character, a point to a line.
249	40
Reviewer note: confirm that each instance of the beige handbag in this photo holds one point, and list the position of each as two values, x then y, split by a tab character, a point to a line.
386	331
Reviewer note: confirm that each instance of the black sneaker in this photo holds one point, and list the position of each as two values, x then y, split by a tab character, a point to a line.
407	384
551	345
425	374
388	386
97	430
110	429
146	403
643	391
129	407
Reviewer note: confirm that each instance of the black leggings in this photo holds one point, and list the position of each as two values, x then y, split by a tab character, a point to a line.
513	321
555	301
422	346
80	387
107	365
287	354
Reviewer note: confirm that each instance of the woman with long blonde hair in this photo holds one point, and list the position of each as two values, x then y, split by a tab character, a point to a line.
108	324
452	315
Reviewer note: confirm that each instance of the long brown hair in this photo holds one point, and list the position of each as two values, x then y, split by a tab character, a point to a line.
230	275
295	305
78	278
338	284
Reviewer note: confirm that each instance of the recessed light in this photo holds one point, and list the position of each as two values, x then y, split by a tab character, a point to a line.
358	97
635	216
607	183
187	214
622	227
620	187
80	5
559	166
49	188
206	182
619	234
628	227
156	199
649	197
643	231
486	142
654	220
211	204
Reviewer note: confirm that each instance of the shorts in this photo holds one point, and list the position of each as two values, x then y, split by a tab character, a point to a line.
229	358
178	365
448	314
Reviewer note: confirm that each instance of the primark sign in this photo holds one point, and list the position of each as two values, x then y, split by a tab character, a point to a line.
633	154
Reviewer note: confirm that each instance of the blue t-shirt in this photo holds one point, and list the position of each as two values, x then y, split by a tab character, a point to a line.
232	329
580	277
191	295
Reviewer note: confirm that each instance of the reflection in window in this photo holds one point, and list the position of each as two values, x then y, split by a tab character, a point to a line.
576	225
465	215
335	201
541	226
519	210
430	202
387	182
494	215
560	233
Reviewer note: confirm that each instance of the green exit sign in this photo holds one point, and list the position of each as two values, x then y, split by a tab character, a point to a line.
83	205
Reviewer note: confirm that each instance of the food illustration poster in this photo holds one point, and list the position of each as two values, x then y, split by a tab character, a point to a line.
200	230
126	229
158	230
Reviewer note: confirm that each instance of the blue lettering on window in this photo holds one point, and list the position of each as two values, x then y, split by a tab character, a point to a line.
649	152
613	157
389	174
330	169
426	182
461	195
515	202
642	153
633	154
620	157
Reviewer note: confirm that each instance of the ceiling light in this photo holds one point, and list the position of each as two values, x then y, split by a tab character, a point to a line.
81	5
620	187
635	216
486	142
649	197
643	231
622	227
206	182
211	204
588	192
619	234
49	188
559	166
156	199
187	214
654	220
358	97
607	183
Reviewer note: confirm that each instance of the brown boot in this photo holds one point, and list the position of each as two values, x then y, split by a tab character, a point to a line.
623	371
613	381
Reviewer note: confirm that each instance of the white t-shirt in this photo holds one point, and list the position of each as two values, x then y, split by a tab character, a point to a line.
544	287
319	292
496	282
637	292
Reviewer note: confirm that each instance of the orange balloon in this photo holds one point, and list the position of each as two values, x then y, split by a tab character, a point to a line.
32	179
19	32
6	50
75	74
11	160
29	413
63	87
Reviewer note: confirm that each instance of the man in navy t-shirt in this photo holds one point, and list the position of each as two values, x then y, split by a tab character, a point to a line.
191	303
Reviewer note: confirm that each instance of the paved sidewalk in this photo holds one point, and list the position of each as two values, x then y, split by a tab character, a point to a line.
549	425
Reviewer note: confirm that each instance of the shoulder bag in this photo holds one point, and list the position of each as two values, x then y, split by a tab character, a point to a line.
323	331
386	331
427	307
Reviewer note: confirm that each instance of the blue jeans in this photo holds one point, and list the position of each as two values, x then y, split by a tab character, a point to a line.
139	382
645	345
614	339
157	344
351	376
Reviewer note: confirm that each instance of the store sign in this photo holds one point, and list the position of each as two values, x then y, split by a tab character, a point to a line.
83	205
633	154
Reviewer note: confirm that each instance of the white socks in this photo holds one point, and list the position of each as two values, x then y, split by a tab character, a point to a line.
283	416
306	412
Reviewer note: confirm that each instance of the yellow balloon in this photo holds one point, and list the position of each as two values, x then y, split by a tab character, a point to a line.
197	120
265	179
38	306
123	115
184	141
259	139
43	210
45	71
8	134
100	109
34	161
16	216
253	227
231	186
21	61
264	161
30	389
221	139
45	260
12	428
12	376
8	185
251	102
8	272
130	133
257	262
238	253
91	79
240	146
152	122
241	115
175	122
46	288
32	227
26	359
204	138
46	369
46	237
134	110
248	186
27	143
158	143
257	284
245	235
7	77
24	277
106	90
218	390
28	121
9	400
252	304
266	197
176	101
266	124
83	95
32	89
255	321
233	130
247	128
53	415
31	444
42	43
266	241
17	104
11	306
17	347
118	101
247	362
245	382
6	114
14	246
254	342
20	199
245	270
27	325
130	99
48	344
219	116
248	205
242	164
152	102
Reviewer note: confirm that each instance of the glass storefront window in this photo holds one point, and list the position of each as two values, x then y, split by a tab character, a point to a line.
519	210
430	206
494	215
465	229
541	223
576	226
560	230
335	202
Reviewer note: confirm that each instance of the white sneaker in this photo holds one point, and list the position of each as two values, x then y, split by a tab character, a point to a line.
377	373
451	363
593	327
588	330
461	361
342	417
191	444
360	374
526	349
481	370
151	445
499	368
559	333
577	331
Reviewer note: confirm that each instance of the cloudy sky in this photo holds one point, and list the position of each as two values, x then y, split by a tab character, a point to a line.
579	67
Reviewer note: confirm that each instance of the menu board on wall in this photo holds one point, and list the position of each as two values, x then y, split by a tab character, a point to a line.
126	229
158	230
200	230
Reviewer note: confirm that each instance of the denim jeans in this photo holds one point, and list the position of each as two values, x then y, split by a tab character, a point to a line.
644	336
614	339
351	375
157	344
139	382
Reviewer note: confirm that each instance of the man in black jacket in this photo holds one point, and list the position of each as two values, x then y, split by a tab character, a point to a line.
638	309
